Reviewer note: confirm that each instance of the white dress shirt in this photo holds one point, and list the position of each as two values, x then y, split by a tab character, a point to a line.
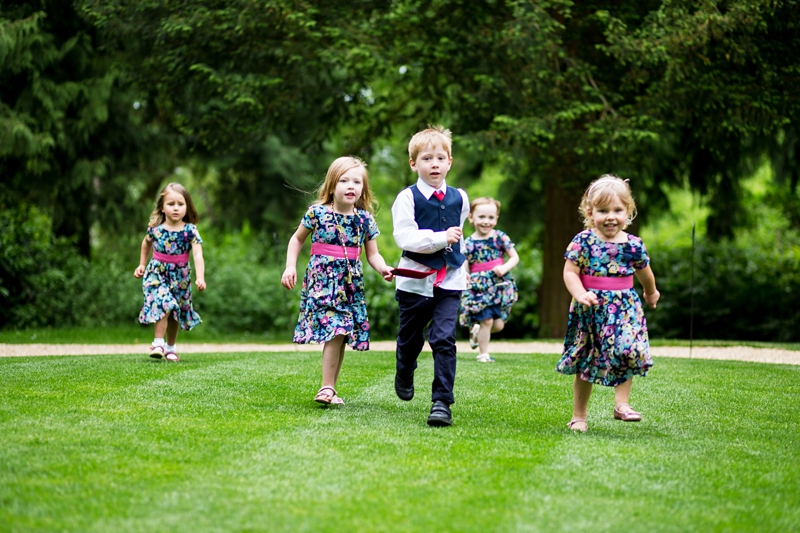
411	238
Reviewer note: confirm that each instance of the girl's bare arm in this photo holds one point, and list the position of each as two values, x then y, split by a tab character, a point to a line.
199	266
376	260
289	277
144	257
573	282
648	281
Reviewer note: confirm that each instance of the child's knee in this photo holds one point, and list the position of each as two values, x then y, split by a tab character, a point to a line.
498	325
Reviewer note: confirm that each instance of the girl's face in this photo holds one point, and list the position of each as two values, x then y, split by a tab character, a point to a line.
174	207
484	218
610	219
348	189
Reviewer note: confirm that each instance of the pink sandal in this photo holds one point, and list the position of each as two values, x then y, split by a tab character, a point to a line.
628	416
573	425
325	397
172	357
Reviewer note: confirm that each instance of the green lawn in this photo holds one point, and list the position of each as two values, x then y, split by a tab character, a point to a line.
126	334
136	333
233	442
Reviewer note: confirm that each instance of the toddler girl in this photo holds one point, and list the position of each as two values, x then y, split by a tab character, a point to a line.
167	278
332	304
491	290
606	339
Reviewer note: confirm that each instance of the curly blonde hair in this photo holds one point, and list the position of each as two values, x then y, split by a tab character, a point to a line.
335	171
601	192
484	200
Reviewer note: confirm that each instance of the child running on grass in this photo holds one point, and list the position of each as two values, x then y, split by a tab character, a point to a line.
428	217
332	304
606	339
491	290
167	277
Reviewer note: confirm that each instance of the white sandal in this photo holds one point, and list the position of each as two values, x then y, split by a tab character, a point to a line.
156	352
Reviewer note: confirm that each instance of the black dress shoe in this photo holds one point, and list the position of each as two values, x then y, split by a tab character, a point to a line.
404	387
440	414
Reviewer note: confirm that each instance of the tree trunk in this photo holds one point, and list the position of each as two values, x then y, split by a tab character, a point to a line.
561	222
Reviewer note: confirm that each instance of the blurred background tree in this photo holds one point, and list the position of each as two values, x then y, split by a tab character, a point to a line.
101	103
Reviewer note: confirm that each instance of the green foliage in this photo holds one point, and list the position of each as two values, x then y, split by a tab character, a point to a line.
234	442
70	137
227	75
523	323
245	294
741	292
44	282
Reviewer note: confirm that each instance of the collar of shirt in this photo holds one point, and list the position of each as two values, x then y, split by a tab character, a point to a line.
427	191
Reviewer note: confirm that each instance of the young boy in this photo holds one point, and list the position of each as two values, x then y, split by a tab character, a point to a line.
428	217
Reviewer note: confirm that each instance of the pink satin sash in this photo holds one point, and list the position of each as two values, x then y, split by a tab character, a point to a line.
607	283
334	250
174	259
488	265
420	274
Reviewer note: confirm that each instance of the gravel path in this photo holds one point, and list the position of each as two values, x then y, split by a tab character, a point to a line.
734	353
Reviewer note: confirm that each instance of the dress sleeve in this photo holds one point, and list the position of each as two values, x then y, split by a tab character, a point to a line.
469	249
196	238
506	243
640	258
372	226
150	234
310	219
575	250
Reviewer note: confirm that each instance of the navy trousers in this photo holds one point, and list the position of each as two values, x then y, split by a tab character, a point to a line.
441	312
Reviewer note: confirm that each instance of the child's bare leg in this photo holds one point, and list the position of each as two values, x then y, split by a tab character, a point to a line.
498	325
172	330
582	391
623	411
484	335
341	360
622	394
161	327
332	354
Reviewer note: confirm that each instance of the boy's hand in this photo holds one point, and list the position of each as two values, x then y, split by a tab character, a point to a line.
454	235
201	284
588	298
652	298
289	278
139	272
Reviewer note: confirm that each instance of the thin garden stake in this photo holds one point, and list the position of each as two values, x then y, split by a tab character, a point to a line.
691	299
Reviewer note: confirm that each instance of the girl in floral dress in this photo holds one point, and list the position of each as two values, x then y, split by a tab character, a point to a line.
167	277
606	339
332	304
491	291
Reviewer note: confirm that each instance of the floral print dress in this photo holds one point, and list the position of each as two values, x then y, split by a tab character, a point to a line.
167	287
486	288
608	343
332	298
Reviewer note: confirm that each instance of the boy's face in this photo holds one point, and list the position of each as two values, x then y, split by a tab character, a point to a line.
432	165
